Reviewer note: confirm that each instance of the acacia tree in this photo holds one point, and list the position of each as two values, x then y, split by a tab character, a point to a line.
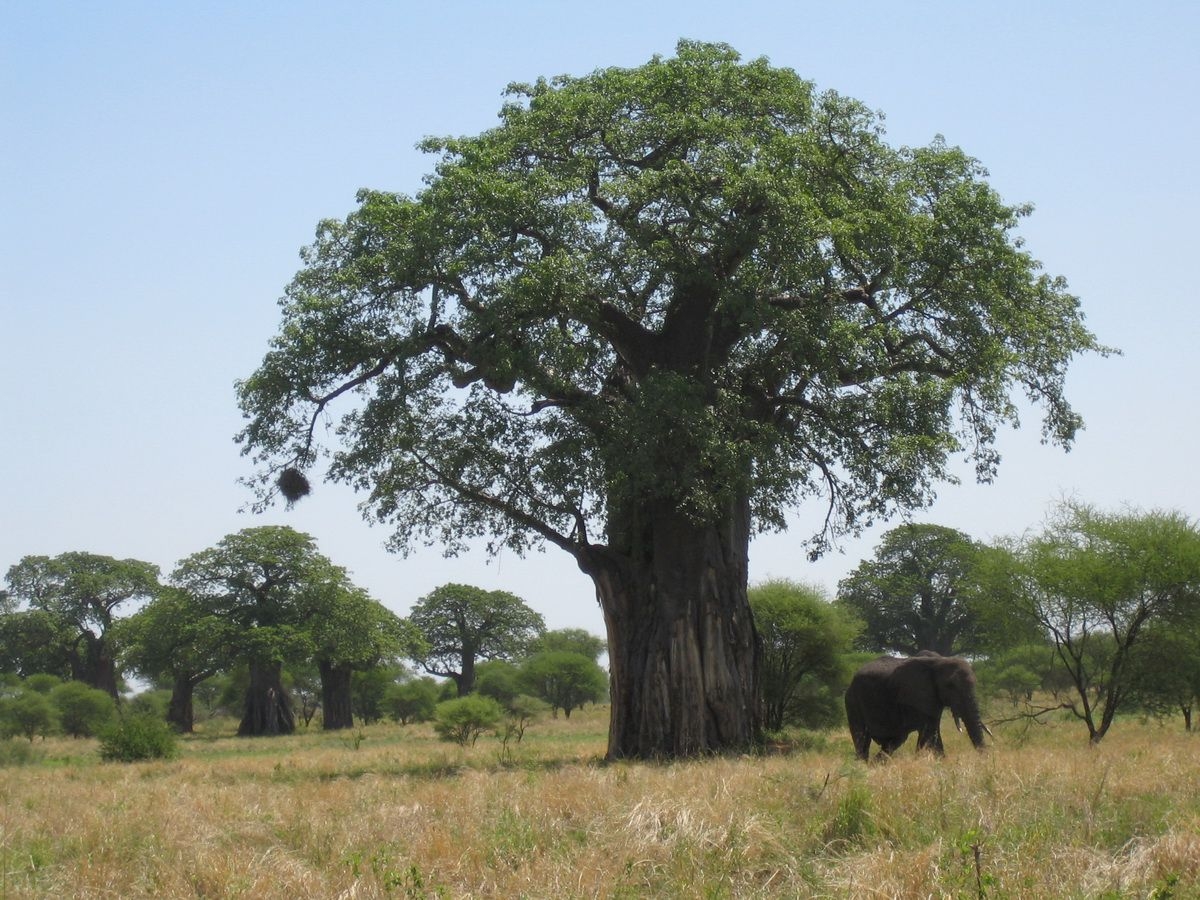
1099	583
461	625
648	313
83	591
268	584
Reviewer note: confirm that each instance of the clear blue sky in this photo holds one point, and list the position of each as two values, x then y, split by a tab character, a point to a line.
161	165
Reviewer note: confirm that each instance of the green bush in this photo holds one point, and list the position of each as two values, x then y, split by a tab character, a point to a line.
137	737
82	710
464	719
411	701
28	714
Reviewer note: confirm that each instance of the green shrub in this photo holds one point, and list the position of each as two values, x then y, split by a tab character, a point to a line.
42	683
28	714
82	710
137	737
411	701
464	719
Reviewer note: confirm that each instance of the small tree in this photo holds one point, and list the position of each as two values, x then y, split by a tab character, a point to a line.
82	710
573	640
134	738
565	680
803	640
462	624
519	713
1097	583
463	719
29	714
498	679
1165	677
368	692
412	701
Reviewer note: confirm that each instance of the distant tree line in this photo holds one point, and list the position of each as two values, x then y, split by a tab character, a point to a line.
264	625
1096	615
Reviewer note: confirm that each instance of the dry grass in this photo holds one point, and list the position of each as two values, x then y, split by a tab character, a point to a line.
398	814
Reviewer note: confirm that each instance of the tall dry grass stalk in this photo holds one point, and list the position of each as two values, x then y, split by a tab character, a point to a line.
397	814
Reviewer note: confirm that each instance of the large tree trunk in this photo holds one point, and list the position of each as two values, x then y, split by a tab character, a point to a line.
336	708
683	651
179	709
268	707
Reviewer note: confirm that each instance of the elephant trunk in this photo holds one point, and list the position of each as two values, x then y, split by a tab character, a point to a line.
972	719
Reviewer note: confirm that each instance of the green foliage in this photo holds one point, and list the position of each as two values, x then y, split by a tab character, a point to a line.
29	714
133	738
1165	670
1098	583
412	701
34	641
498	679
645	279
82	710
803	640
925	589
43	683
82	592
563	679
462	624
368	692
574	640
464	719
154	702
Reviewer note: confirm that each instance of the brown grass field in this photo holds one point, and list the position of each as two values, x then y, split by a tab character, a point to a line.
388	811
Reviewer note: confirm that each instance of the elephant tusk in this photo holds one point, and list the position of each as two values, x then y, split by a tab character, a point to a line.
957	722
988	730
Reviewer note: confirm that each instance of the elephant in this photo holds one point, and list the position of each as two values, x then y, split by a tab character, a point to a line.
889	698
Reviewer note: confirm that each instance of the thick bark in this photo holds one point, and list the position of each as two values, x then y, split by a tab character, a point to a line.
268	707
683	651
179	710
336	709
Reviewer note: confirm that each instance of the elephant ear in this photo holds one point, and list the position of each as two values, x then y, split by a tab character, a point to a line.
915	687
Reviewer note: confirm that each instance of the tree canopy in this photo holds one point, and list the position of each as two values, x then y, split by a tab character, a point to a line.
83	591
918	592
1100	583
651	301
462	624
804	638
268	584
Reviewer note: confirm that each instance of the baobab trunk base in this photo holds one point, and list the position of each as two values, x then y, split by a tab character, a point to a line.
683	652
268	707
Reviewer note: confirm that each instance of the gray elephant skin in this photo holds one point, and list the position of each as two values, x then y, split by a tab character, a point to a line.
889	698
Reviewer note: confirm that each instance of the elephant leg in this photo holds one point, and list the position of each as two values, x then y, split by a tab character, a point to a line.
930	738
888	746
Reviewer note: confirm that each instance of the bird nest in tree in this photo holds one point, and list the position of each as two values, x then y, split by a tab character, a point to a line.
293	485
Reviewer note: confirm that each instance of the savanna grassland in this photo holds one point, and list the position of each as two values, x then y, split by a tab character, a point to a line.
388	811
